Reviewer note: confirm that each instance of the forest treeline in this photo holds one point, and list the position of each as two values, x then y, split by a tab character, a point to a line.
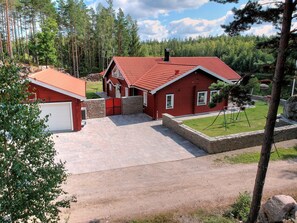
239	52
82	40
66	33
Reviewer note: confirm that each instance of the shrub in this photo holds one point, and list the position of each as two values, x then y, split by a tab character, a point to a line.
240	209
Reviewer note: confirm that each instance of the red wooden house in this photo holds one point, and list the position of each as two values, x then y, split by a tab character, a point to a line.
174	85
60	96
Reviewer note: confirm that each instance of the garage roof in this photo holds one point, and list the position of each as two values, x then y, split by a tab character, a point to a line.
60	82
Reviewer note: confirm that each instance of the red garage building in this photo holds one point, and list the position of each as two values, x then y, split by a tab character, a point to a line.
61	96
174	85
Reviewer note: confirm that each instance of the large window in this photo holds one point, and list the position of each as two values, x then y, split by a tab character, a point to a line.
145	98
212	93
169	101
202	98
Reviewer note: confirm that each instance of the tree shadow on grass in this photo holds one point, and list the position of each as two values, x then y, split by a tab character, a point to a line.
291	157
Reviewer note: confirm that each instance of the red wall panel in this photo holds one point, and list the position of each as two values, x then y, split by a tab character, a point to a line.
185	95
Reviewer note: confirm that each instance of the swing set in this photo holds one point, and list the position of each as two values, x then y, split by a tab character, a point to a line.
234	113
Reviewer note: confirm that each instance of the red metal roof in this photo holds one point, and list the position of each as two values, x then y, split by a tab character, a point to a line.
61	81
152	72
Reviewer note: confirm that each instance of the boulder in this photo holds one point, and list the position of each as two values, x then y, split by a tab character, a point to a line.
290	108
278	208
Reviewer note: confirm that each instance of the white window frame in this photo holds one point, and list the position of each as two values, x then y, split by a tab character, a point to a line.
205	98
110	86
144	98
172	101
212	93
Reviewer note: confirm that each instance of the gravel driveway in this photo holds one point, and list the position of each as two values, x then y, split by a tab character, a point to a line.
121	141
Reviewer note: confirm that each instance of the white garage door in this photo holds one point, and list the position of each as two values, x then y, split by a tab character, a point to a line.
60	115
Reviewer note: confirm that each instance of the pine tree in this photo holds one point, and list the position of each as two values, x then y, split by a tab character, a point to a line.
134	41
45	47
281	15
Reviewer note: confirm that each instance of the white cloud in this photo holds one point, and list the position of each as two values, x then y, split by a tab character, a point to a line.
141	9
260	30
185	27
152	29
188	27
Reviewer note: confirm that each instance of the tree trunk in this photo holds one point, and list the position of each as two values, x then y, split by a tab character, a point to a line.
73	58
272	113
9	48
1	47
76	59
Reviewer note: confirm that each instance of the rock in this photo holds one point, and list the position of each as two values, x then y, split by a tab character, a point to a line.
278	208
290	108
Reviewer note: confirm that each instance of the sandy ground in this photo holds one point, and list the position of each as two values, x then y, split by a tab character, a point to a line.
185	184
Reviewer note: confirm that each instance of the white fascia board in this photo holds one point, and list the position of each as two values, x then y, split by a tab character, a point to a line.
110	63
39	83
110	81
189	72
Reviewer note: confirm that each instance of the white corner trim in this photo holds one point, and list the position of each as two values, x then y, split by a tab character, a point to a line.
189	72
39	83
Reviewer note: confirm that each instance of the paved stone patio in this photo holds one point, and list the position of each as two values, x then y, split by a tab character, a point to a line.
121	141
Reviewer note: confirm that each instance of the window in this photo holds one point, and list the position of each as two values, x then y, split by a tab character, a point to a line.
201	98
212	93
169	101
83	116
145	98
116	73
110	87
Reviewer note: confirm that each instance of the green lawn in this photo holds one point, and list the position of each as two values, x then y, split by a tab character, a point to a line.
92	88
253	157
256	116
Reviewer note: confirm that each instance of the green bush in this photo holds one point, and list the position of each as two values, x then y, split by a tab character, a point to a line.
240	209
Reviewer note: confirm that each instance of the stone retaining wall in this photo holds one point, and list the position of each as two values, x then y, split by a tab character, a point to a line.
132	105
226	143
95	108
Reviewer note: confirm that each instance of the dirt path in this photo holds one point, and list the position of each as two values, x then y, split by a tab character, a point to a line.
196	182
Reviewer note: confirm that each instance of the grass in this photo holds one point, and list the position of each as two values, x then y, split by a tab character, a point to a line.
92	88
256	115
161	218
253	157
199	216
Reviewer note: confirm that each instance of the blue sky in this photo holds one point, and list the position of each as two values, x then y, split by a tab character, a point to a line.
163	19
